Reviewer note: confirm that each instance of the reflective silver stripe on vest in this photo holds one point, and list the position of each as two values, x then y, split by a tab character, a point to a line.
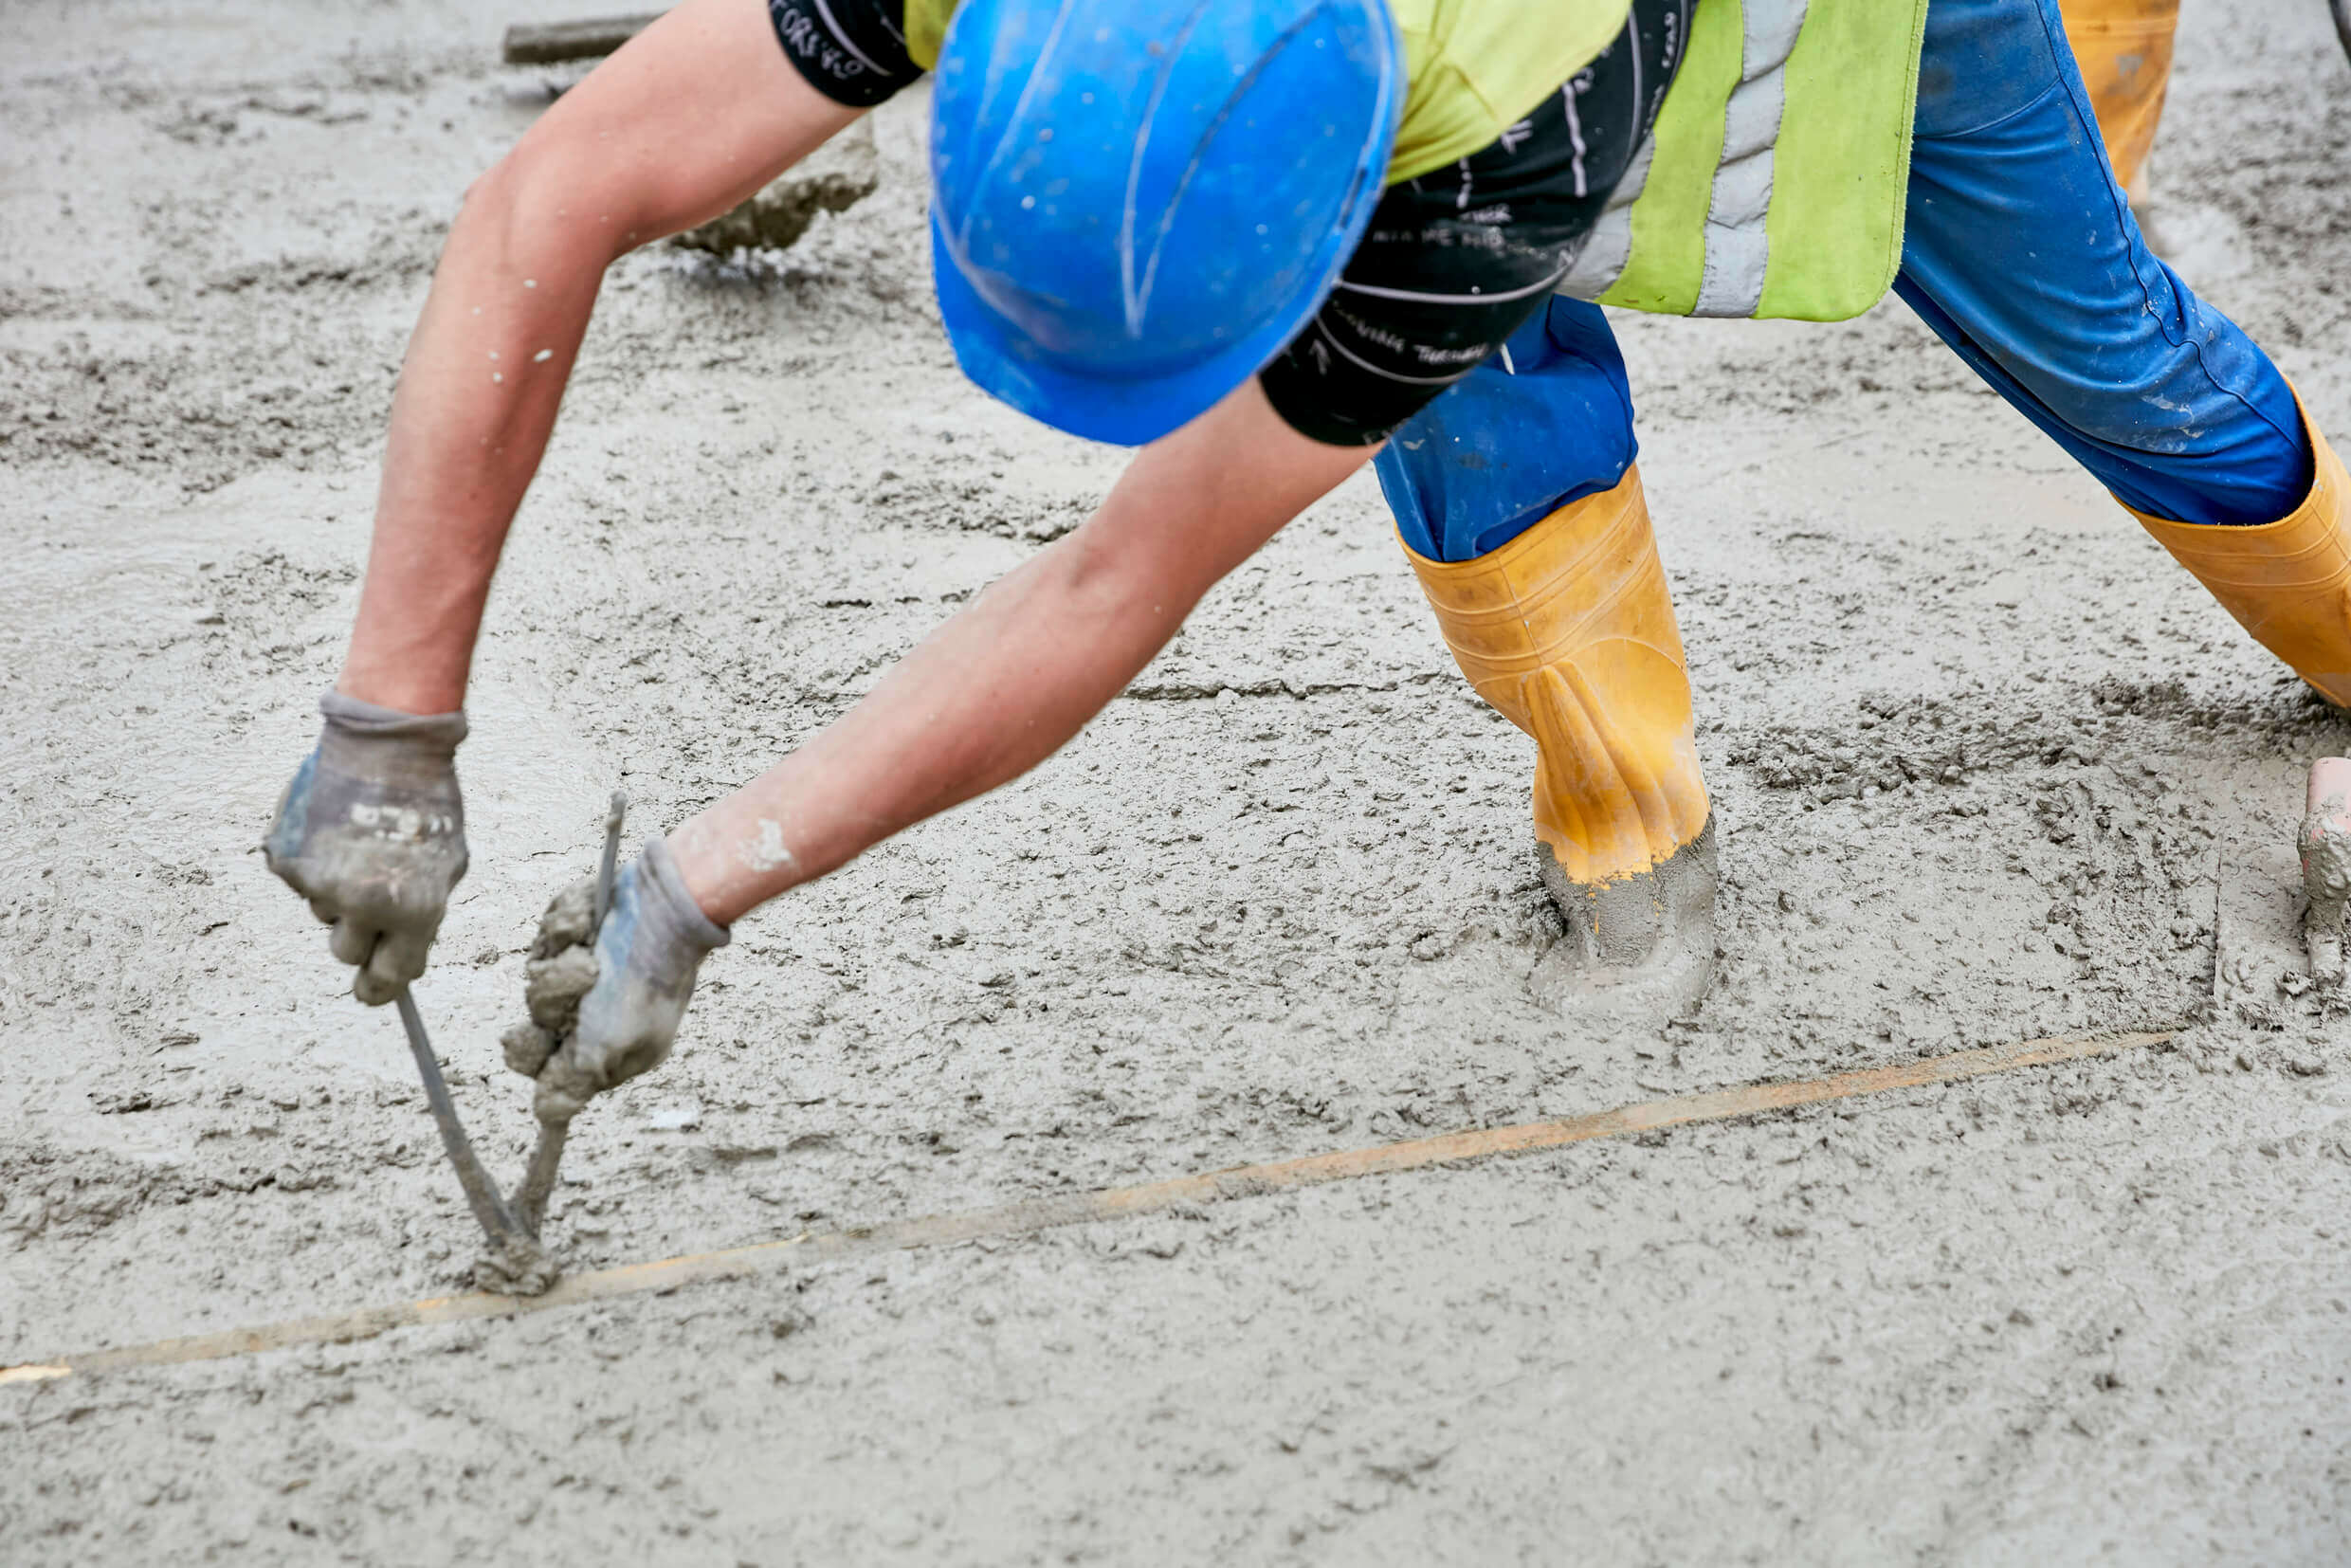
1738	235
1602	262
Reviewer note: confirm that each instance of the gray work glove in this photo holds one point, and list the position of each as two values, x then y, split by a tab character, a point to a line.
372	833
600	1019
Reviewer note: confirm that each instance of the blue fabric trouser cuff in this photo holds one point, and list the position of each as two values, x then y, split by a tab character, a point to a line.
1546	422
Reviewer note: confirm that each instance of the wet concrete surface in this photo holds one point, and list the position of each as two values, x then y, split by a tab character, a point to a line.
1986	766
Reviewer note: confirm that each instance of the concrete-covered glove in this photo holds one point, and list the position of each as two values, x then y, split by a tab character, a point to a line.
600	1019
372	833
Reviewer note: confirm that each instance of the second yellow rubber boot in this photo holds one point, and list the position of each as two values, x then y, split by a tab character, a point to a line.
1569	632
2287	582
2125	51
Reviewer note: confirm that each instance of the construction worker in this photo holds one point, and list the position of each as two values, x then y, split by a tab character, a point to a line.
1268	240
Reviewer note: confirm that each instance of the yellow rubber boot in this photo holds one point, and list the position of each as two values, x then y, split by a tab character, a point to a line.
2287	582
1569	632
2125	51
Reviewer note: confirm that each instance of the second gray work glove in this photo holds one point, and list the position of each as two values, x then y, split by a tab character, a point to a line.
372	831
600	1019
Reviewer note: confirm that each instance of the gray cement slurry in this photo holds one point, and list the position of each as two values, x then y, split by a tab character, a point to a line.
1017	1219
1983	762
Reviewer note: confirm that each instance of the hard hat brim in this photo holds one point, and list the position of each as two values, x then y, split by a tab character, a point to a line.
1122	411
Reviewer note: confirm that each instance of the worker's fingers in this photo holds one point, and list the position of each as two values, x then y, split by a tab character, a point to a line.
327	912
351	942
562	1090
372	991
637	1057
527	1047
399	958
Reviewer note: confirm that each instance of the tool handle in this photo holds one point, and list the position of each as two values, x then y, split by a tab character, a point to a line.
489	1209
610	864
538	1179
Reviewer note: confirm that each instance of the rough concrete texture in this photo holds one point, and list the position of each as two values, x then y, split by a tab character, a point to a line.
1987	766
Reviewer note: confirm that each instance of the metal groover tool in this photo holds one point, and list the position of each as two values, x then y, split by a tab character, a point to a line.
498	1221
511	1225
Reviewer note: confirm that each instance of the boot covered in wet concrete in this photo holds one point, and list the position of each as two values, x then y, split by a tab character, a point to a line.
2325	845
2287	582
1568	630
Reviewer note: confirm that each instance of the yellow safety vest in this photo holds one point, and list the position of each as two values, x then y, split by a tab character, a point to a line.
1774	182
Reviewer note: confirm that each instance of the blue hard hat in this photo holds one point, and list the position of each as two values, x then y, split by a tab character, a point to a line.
1134	207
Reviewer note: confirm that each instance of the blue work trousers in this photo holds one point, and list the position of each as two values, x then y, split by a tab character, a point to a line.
2020	252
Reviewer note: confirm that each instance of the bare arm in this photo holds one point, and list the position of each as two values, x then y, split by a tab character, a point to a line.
1009	680
686	120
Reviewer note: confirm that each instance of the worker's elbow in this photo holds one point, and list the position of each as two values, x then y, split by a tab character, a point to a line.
1113	571
541	199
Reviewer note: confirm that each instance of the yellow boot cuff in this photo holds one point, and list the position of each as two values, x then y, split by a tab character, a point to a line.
2287	582
1569	632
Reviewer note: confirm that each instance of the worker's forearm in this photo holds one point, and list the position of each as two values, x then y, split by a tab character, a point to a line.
1001	686
477	401
988	696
